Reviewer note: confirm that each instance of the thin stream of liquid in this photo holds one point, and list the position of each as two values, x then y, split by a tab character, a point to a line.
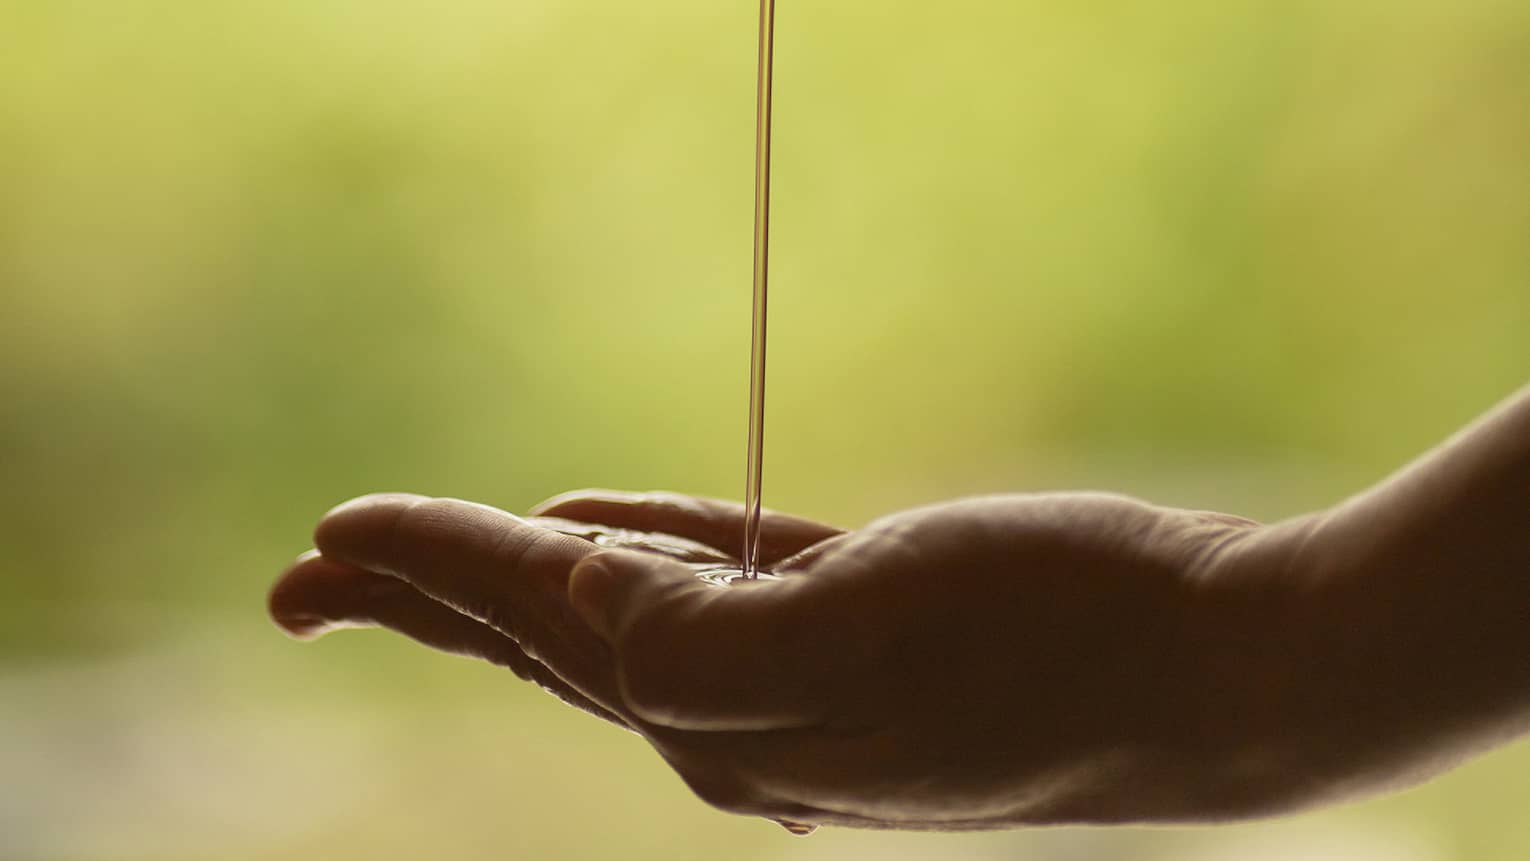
751	554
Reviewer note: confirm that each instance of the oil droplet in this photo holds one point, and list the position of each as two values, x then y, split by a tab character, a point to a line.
801	829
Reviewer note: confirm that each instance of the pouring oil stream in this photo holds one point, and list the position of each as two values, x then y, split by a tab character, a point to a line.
756	453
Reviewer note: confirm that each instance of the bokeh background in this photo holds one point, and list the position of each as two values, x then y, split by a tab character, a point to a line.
256	258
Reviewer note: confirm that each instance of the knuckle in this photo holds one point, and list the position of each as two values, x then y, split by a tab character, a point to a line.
498	618
511	659
421	524
511	546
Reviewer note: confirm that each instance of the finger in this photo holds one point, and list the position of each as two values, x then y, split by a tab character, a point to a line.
683	549
482	562
318	595
714	522
699	657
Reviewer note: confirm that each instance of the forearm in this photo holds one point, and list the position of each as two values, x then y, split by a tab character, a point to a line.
1419	644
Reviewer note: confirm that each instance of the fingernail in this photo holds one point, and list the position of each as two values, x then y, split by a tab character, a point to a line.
591	586
302	626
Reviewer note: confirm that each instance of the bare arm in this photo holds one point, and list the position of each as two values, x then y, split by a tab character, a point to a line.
1413	652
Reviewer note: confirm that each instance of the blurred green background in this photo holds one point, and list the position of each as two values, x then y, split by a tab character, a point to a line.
256	258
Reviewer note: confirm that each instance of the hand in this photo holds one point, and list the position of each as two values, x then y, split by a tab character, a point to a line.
982	663
995	661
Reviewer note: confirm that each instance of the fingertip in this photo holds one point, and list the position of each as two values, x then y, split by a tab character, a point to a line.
365	515
588	495
301	627
279	596
284	604
285	601
316	595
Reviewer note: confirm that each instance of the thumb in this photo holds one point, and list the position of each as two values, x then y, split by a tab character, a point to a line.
697	656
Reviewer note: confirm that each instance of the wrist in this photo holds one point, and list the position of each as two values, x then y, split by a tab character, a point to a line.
1275	714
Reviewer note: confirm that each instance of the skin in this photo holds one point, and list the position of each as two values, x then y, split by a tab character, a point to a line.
990	662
